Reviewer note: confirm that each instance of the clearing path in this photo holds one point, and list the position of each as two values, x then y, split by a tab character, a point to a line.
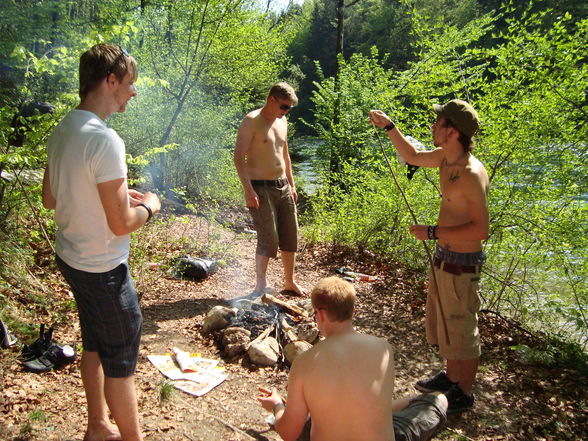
514	401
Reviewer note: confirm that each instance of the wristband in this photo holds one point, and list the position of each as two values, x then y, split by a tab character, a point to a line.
432	232
149	210
281	403
389	127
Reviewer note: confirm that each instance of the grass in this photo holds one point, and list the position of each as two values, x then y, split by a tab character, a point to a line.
37	415
166	390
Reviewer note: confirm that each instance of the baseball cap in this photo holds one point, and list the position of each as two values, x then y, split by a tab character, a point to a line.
462	115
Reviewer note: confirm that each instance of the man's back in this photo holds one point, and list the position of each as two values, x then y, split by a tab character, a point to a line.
348	382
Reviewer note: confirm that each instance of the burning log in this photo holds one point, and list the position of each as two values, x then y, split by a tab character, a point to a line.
288	330
261	336
269	330
291	309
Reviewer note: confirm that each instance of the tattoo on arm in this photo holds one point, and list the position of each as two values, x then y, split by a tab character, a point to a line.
454	176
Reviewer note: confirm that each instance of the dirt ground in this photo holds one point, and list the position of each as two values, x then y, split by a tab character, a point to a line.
515	401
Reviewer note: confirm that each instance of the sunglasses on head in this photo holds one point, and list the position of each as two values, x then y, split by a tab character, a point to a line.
123	53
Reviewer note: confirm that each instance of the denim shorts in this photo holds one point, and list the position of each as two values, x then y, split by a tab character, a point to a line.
110	316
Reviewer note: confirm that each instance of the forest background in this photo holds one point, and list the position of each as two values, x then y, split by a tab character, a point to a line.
205	63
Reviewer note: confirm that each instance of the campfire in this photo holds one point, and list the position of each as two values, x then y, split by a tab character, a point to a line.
268	330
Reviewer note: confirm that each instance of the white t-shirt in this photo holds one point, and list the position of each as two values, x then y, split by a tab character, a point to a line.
83	152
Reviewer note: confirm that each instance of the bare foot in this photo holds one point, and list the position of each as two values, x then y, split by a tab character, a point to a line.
103	432
295	289
259	287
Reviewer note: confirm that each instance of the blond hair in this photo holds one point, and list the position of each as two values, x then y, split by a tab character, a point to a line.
336	296
283	91
100	61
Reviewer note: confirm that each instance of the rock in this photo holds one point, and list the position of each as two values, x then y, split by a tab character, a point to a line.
265	352
235	349
235	340
217	318
306	304
294	349
308	332
234	334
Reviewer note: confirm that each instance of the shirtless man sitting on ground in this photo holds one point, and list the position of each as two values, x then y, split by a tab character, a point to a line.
263	164
345	383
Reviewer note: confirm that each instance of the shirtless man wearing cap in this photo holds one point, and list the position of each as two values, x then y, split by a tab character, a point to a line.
263	164
452	302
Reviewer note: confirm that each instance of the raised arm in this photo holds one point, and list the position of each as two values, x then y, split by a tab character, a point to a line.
244	138
121	217
430	158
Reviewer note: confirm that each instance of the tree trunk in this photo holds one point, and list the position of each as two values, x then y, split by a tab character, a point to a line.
336	148
157	172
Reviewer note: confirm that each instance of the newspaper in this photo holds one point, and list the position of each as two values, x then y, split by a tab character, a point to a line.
189	372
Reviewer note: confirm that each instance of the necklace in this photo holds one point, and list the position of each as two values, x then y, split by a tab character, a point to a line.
459	158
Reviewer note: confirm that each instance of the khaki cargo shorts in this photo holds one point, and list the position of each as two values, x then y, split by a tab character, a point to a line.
460	303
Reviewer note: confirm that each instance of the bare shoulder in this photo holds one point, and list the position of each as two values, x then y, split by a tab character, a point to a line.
475	176
475	170
382	343
301	364
372	343
251	117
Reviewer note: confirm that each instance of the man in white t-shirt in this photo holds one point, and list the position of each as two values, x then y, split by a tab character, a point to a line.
95	212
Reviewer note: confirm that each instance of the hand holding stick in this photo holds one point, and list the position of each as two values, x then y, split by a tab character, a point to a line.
429	256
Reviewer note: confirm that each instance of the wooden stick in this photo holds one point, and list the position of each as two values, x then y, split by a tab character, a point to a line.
427	251
288	330
261	336
230	426
268	299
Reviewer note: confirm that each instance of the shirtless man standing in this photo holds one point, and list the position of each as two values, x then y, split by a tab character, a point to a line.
264	168
461	227
346	381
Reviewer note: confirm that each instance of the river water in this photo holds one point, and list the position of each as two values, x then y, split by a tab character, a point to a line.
305	164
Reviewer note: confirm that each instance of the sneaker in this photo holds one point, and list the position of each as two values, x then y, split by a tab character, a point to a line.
438	383
458	400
